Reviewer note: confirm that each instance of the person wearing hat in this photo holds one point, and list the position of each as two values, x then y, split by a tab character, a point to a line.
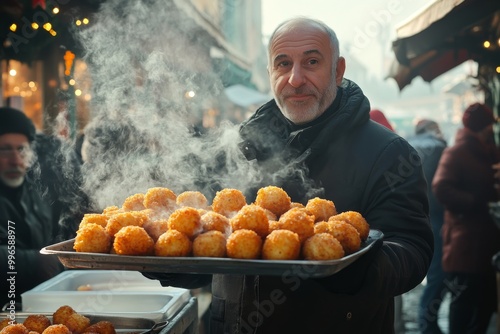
26	220
464	184
429	143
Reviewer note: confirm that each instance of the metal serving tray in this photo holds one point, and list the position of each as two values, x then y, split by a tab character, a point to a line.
205	265
122	325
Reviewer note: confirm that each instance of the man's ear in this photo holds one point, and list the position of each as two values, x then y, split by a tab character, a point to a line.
339	75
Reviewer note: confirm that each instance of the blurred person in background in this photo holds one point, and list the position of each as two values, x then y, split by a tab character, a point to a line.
379	117
464	184
27	221
315	138
430	144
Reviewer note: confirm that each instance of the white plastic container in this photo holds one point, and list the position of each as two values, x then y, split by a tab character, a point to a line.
106	292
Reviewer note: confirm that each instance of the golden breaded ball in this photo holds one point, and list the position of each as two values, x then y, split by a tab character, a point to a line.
133	240
322	246
213	221
57	329
355	219
111	210
298	220
14	329
274	199
321	208
281	245
274	225
244	244
296	205
61	314
92	238
173	243
347	235
185	220
101	327
94	218
77	323
322	227
155	228
210	244
194	199
161	199
36	322
228	201
5	322
129	218
134	202
251	217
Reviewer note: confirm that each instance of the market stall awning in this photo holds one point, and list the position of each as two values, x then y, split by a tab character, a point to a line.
444	35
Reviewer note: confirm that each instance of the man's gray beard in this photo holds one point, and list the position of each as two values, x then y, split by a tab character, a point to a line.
12	183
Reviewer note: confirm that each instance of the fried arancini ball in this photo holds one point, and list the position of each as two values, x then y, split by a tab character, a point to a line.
14	329
94	218
347	235
36	322
298	220
322	227
270	215
274	199
210	244
61	314
173	243
296	205
92	238
355	219
251	217
160	198
281	245
194	199
228	201
321	208
57	329
322	246
5	322
111	210
77	323
101	327
129	218
213	221
134	202
155	228
274	225
133	240
185	220
244	244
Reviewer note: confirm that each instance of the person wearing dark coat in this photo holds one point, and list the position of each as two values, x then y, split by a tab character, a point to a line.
316	139
464	184
430	144
27	222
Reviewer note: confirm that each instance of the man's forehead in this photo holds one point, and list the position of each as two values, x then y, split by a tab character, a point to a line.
297	41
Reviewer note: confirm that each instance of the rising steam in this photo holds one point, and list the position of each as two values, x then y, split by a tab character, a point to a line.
143	56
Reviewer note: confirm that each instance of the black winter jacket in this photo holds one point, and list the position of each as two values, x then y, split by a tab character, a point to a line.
28	220
360	166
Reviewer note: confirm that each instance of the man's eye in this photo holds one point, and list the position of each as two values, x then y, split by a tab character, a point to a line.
313	61
284	64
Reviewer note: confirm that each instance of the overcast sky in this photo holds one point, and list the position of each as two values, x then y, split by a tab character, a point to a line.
366	27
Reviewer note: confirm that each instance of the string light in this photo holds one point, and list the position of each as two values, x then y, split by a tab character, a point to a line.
486	44
13	27
35	26
55	10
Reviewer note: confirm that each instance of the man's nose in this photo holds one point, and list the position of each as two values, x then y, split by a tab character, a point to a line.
297	77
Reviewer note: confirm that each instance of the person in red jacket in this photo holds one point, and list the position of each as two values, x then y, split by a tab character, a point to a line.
464	184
